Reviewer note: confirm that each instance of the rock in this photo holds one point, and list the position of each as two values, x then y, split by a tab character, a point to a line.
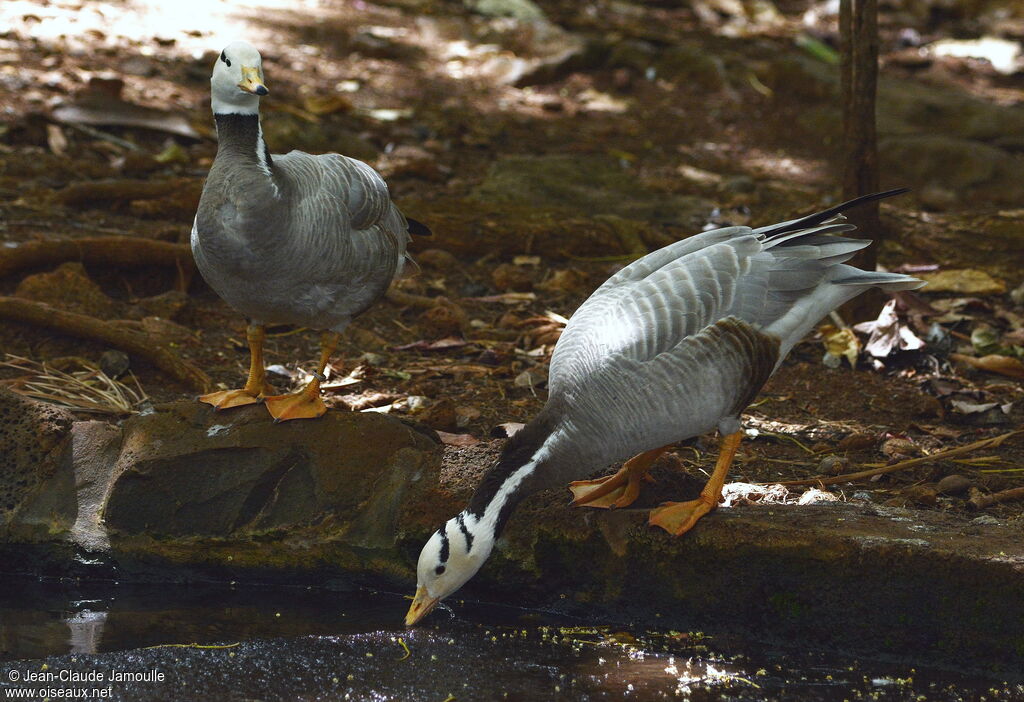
32	436
193	492
114	363
70	288
834	465
966	281
188	471
954	484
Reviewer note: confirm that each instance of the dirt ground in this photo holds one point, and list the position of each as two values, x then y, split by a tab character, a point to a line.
438	97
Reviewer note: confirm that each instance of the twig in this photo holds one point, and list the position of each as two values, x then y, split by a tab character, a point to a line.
105	250
980	501
881	469
409	300
82	326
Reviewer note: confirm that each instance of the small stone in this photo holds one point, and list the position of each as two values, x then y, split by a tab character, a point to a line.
834	465
986	520
114	363
955	484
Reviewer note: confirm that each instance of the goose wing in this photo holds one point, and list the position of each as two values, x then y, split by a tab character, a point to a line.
776	282
341	214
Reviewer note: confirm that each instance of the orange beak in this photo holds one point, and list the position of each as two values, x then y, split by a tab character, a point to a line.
422	603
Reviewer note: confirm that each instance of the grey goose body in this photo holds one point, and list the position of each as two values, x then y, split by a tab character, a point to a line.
314	245
674	345
301	239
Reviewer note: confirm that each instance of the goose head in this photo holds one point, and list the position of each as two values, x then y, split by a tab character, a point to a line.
450	557
237	81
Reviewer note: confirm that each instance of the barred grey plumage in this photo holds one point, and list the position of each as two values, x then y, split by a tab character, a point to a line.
674	345
308	240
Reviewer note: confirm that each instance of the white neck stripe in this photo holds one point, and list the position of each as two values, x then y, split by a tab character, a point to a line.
512	482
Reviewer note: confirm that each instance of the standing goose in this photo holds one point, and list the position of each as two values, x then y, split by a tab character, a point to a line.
296	239
674	345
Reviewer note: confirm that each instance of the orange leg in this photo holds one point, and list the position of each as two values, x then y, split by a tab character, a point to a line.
677	518
306	403
256	386
619	489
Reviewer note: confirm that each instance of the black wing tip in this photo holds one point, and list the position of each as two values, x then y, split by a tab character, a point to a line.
825	215
417	228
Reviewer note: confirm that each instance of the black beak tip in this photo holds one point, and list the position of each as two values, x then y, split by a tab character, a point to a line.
261	90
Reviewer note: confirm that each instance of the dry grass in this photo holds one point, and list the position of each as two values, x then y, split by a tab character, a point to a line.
81	386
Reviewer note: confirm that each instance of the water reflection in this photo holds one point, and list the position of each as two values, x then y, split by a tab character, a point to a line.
355	640
86	631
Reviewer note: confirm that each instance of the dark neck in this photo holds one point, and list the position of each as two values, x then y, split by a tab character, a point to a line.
241	135
497	497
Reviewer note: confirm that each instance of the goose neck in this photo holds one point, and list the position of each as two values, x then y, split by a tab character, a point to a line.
240	136
518	472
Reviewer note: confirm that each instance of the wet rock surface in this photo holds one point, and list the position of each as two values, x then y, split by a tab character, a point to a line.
186	493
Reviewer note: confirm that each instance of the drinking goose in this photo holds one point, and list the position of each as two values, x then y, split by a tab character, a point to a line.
674	345
294	239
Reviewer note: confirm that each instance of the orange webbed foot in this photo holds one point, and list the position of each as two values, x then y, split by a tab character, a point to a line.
299	405
225	399
677	518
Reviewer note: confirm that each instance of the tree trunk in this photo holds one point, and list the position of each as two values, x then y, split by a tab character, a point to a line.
858	29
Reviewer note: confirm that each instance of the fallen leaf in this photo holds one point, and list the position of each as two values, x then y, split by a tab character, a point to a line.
888	333
839	343
993	363
506	430
962	280
96	109
457	439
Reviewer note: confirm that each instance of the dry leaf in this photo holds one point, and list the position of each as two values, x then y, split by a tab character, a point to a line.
888	333
962	280
839	343
457	439
95	109
994	363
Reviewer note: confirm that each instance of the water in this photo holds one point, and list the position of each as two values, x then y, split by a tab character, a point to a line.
280	643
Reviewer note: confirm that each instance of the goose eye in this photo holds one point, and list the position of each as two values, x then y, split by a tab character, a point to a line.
439	570
224	58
